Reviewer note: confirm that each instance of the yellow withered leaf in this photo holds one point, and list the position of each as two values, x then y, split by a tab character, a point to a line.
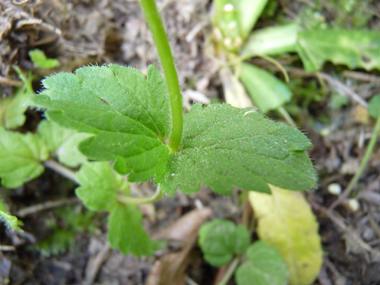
285	221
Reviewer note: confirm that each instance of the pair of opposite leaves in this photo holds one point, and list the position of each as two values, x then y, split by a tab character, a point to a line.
130	119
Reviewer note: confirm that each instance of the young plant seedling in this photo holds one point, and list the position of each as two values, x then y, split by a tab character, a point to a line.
137	123
256	263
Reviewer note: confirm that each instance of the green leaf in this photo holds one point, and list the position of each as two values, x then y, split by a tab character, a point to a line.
267	92
39	58
99	185
354	48
12	109
374	106
264	266
248	12
221	239
9	220
20	158
63	142
129	115
286	221
127	233
271	41
224	146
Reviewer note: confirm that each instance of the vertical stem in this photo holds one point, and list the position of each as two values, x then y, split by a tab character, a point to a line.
230	271
362	166
162	44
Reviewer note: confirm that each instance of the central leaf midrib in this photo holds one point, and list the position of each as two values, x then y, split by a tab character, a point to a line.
64	109
146	111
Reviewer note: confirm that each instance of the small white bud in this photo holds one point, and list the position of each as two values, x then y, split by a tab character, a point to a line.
334	188
354	204
227	42
228	8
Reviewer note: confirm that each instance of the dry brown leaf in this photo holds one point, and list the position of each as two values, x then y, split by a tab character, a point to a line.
170	269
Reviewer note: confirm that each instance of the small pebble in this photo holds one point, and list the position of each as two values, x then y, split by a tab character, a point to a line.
334	188
354	204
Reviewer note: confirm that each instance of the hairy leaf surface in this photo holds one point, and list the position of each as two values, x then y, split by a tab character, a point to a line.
286	221
354	48
129	115
224	146
20	158
99	185
264	266
221	239
127	233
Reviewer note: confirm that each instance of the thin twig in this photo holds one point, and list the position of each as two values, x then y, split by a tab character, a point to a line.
64	171
362	166
7	81
361	76
347	90
339	221
46	205
7	248
230	271
94	264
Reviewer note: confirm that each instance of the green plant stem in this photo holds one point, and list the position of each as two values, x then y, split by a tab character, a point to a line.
160	39
65	172
68	173
27	83
362	166
287	117
277	64
142	200
230	271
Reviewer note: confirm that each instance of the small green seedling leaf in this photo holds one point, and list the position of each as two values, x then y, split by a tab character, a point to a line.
267	92
20	158
39	58
63	143
127	233
128	114
264	266
374	106
286	221
224	146
221	239
248	12
99	185
99	190
9	220
12	109
354	48
271	41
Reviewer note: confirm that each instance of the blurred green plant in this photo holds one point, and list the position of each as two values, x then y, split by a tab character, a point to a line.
66	224
256	263
234	43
